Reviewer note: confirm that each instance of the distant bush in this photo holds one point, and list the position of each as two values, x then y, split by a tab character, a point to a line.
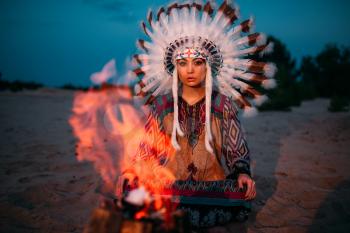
70	86
19	85
339	104
327	75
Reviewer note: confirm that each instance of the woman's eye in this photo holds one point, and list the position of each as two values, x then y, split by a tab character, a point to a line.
182	63
198	63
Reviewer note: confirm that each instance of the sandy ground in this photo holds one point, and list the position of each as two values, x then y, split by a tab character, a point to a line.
301	162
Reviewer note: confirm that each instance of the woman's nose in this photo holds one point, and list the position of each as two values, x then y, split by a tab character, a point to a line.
190	68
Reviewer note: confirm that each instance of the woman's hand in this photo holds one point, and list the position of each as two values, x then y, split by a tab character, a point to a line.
245	180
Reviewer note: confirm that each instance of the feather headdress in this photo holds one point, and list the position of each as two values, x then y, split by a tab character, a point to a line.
213	30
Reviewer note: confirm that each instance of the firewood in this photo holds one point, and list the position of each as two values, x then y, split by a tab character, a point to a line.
104	221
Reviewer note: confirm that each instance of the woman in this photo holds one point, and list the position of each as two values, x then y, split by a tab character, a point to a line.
193	76
192	73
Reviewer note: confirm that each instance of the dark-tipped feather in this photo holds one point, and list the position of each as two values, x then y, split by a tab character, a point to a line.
208	8
142	45
160	11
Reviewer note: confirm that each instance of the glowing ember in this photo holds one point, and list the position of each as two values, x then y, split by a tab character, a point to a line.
138	196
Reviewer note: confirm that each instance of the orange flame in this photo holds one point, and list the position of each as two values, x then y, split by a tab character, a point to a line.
109	128
101	134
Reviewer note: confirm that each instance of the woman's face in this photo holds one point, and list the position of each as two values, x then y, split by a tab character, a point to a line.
191	71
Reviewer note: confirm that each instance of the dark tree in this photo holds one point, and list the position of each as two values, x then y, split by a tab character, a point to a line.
333	64
326	75
309	72
286	94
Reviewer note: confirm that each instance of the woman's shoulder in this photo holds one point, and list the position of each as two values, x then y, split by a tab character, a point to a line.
163	104
223	105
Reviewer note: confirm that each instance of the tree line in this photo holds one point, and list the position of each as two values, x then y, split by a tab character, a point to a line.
325	75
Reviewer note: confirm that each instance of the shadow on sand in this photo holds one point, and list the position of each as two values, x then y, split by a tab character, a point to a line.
334	212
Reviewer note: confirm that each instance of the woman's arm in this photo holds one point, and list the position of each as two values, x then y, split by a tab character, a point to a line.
234	145
235	150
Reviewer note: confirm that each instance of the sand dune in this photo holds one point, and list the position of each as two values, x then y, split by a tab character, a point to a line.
301	162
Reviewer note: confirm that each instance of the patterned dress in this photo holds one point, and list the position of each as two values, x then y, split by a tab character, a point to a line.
202	179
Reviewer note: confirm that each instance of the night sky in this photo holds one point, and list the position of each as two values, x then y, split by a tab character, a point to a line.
55	42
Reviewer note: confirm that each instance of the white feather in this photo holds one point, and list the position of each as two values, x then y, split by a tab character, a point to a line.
261	39
147	45
237	10
270	70
208	92
176	125
267	50
137	88
164	22
252	24
269	83
232	92
244	41
153	74
164	86
108	71
151	85
249	112
237	30
259	100
159	34
239	53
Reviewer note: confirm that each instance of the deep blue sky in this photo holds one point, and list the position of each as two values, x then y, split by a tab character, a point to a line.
63	41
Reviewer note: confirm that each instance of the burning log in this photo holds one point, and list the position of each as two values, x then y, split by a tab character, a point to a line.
111	218
104	220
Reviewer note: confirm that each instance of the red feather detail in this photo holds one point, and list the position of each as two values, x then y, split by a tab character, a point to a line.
251	92
257	67
150	100
141	93
246	25
228	11
242	102
260	48
138	72
142	85
258	79
252	39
